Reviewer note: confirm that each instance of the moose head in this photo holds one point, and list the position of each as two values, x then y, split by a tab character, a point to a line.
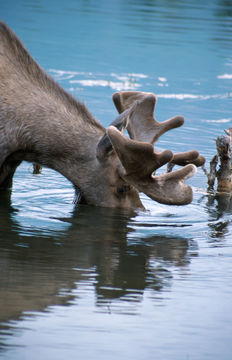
138	158
42	123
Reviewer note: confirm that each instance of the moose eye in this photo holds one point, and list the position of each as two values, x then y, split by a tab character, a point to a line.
123	189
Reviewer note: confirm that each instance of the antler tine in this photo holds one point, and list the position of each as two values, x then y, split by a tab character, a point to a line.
170	188
140	160
124	99
188	157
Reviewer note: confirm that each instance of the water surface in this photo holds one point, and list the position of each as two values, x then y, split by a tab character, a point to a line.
98	283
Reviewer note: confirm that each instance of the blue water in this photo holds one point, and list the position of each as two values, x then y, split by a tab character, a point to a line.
94	283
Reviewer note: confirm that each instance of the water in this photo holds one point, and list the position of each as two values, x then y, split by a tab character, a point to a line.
94	283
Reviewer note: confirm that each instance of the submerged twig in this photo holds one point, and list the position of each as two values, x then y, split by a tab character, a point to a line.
223	157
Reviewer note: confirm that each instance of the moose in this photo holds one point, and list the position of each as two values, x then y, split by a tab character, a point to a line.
42	123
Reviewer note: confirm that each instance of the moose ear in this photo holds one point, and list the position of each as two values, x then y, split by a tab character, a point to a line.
104	146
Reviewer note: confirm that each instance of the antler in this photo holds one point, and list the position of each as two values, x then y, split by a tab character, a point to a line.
142	125
136	115
140	160
137	154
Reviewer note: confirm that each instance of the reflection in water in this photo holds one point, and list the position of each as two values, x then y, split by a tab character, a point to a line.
219	208
39	272
224	9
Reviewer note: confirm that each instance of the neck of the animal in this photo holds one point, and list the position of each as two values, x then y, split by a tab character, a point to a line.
60	136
